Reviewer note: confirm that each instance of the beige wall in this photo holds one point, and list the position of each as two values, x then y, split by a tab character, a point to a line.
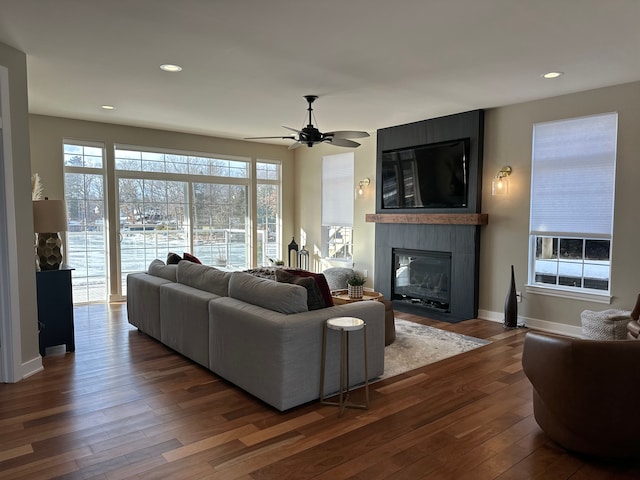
308	218
504	241
21	262
508	137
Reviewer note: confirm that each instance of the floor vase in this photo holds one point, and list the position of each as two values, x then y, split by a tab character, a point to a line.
511	304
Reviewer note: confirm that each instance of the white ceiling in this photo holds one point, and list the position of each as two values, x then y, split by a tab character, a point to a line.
374	63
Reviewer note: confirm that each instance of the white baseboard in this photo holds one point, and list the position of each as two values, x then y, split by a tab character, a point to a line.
31	367
534	324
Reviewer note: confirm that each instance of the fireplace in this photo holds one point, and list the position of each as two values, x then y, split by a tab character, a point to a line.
427	257
429	269
422	278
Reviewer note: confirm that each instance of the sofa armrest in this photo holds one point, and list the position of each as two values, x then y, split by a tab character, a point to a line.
143	302
276	357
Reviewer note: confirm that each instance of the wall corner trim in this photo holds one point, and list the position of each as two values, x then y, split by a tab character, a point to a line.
32	367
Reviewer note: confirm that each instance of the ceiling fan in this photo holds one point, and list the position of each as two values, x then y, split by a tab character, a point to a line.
310	135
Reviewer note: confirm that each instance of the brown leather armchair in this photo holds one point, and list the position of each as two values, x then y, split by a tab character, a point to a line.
633	327
584	391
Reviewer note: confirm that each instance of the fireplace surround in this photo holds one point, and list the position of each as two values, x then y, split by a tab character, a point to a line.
450	236
461	242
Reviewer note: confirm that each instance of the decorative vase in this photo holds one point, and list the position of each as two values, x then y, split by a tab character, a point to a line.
511	305
355	291
49	250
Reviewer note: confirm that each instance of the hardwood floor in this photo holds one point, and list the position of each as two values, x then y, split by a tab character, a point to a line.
125	406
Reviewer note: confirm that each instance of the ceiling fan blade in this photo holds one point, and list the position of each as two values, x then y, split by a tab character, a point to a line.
346	134
310	135
343	142
290	137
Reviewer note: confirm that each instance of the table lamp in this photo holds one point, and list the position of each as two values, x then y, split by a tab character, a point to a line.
49	218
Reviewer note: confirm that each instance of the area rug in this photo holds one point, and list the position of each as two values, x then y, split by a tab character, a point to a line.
418	345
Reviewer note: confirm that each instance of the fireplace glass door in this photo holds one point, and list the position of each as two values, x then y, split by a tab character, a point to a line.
422	278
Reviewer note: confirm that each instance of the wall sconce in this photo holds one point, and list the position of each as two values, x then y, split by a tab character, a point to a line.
362	184
500	183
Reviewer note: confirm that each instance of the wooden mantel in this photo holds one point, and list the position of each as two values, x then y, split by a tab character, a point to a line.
430	218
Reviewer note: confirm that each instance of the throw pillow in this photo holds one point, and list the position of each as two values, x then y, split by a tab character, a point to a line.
190	258
314	296
321	281
173	258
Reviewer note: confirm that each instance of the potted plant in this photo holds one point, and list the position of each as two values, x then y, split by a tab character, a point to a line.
355	284
277	262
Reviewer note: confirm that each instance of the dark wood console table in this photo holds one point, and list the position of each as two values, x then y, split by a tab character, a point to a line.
55	309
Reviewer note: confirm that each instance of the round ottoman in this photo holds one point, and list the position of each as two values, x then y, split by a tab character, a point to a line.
605	325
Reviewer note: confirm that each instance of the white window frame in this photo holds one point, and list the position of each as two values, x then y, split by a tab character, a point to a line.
189	178
78	275
601	231
277	182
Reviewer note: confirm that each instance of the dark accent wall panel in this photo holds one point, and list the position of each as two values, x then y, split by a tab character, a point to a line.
452	127
463	241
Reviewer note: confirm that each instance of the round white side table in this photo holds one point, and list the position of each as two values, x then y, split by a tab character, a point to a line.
345	325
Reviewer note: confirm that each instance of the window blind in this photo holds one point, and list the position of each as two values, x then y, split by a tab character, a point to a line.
337	190
573	177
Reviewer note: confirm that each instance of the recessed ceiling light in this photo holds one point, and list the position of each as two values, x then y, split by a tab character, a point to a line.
552	74
168	67
107	107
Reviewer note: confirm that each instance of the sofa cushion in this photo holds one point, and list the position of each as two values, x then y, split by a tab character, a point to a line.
157	268
280	297
203	277
314	296
320	280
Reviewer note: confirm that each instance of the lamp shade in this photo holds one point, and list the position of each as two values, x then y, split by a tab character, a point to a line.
49	216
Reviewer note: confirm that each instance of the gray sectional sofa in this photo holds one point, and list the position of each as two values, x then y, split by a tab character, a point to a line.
254	332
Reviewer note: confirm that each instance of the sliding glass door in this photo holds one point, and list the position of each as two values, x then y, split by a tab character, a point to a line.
153	221
220	230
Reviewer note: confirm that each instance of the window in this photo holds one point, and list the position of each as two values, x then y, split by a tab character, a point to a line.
572	200
337	206
268	211
184	164
183	202
87	233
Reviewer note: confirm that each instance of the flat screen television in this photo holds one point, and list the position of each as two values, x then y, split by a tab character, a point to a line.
429	176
